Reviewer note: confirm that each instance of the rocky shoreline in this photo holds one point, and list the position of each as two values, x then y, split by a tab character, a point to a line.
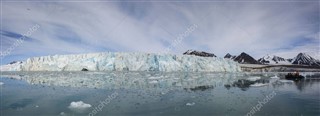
278	68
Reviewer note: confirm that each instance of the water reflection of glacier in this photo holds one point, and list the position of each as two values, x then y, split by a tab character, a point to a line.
114	80
151	80
145	93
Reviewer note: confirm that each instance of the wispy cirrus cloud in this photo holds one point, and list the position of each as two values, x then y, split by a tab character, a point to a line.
259	28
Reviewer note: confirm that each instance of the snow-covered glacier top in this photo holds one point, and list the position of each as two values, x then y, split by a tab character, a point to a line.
116	61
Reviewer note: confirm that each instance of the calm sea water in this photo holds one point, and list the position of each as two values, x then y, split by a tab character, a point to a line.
151	93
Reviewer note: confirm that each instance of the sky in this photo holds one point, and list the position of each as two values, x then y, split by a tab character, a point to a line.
40	28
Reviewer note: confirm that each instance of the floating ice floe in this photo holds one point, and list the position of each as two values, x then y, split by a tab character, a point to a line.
259	84
1	83
79	106
274	77
62	114
153	82
152	78
190	104
253	78
286	81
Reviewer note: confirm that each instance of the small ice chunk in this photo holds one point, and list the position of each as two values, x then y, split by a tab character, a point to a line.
253	78
286	81
62	114
79	106
1	83
274	77
153	82
151	78
190	104
259	84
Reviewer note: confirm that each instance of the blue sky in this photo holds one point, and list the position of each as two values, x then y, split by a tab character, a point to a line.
256	27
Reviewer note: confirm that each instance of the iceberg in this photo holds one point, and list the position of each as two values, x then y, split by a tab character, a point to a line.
79	106
253	78
117	61
259	84
190	104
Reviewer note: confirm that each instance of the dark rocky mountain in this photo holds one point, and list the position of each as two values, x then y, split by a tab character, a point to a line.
229	56
199	53
16	62
305	59
244	58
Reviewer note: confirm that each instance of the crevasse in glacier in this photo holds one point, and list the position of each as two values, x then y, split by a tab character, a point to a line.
116	61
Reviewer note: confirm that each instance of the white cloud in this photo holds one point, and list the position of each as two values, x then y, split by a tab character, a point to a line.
315	36
257	28
310	49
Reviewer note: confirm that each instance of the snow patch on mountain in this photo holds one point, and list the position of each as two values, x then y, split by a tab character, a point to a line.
272	59
199	53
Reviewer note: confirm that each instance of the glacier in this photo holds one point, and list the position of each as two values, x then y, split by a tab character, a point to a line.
120	61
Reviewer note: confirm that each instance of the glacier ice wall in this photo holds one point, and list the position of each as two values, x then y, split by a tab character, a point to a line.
115	61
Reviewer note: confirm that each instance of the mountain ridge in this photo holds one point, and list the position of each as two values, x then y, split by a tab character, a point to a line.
244	58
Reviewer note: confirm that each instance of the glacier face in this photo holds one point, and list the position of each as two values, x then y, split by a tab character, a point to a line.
116	61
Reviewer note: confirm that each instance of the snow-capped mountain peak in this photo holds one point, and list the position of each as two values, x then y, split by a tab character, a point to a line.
273	59
305	59
199	53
